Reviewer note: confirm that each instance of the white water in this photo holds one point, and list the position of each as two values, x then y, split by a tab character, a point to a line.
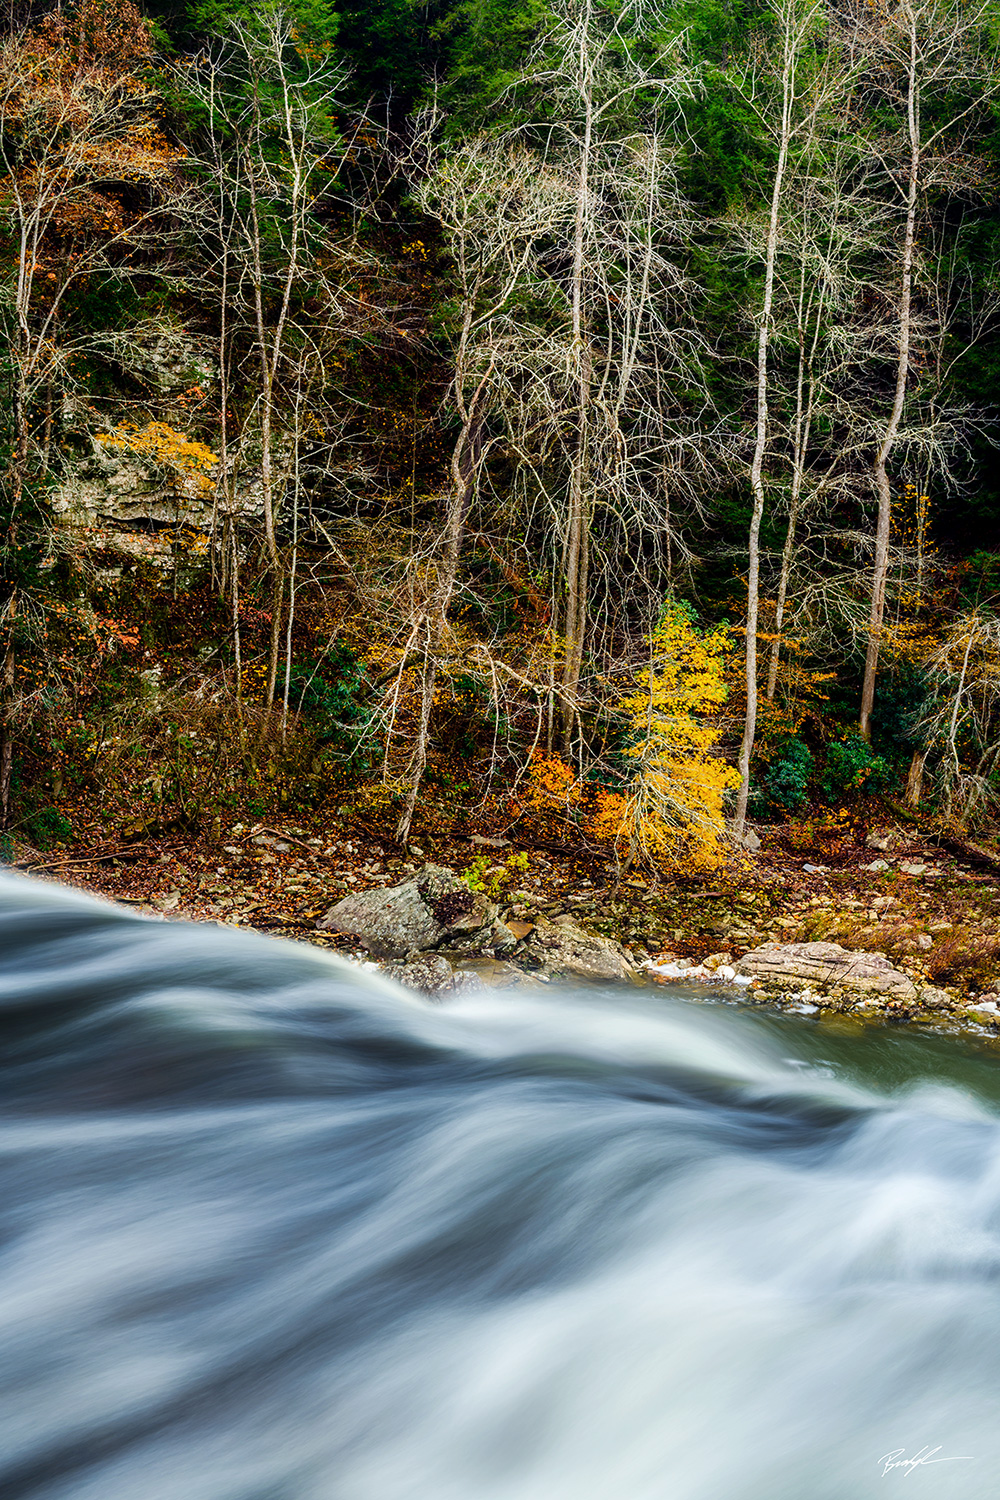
273	1230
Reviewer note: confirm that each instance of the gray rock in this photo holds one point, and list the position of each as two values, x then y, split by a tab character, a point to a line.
430	974
750	841
561	948
432	909
912	867
497	974
828	965
934	998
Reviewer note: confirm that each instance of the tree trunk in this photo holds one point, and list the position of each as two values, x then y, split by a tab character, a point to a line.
760	442
577	550
915	779
804	393
880	475
465	461
7	728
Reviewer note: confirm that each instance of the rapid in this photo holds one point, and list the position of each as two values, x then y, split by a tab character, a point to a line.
273	1229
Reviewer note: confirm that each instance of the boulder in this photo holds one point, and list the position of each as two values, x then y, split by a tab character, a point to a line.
829	966
938	999
497	974
563	949
430	974
432	909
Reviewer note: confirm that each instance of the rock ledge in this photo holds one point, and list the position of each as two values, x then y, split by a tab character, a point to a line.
829	967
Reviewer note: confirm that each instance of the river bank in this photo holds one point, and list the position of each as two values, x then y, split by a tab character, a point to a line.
936	919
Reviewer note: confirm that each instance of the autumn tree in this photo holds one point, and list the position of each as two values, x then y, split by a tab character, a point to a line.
671	811
86	176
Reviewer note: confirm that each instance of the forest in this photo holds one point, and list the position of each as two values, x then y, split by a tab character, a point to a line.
571	416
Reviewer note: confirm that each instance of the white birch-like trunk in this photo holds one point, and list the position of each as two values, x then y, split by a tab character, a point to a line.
790	47
880	474
577	551
805	387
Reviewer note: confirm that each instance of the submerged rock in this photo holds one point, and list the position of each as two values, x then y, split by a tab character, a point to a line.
430	974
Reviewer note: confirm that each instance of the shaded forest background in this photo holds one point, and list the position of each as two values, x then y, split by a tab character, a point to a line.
565	415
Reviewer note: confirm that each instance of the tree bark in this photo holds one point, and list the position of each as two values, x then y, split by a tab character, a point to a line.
880	474
577	551
760	442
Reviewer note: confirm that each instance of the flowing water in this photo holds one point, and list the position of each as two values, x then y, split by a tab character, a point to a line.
273	1230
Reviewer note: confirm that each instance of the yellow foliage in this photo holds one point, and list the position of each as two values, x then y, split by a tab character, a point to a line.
671	811
190	462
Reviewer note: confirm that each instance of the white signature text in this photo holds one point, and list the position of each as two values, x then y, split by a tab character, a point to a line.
897	1460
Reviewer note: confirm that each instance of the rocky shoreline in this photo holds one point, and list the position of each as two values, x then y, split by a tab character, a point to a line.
926	919
434	935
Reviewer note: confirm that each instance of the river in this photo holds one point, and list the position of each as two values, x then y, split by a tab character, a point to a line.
274	1230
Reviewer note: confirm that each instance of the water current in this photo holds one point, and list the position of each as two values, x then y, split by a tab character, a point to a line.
272	1229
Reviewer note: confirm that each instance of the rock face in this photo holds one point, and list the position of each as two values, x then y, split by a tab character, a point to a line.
136	481
829	966
433	909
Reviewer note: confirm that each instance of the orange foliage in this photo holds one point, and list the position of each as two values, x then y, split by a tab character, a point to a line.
79	130
551	785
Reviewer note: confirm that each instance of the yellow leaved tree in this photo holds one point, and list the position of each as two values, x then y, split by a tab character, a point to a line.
190	464
670	812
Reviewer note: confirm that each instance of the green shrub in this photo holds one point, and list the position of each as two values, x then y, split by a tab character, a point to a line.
852	768
784	786
48	826
330	696
899	704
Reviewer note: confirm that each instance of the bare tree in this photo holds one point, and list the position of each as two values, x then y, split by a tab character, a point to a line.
566	331
78	133
789	94
495	208
274	154
960	725
626	212
918	57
